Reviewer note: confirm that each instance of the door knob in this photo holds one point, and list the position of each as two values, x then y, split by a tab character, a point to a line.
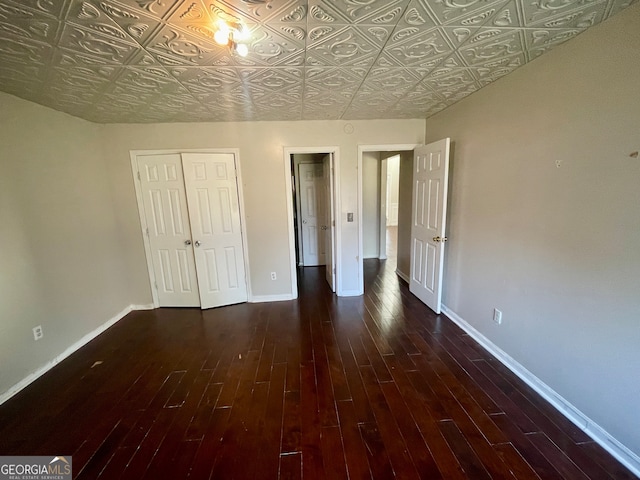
187	242
304	221
197	243
438	239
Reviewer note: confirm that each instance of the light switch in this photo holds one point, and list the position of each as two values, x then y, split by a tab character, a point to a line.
350	217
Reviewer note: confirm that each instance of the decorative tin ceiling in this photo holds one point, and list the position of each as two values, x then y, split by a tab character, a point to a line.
156	61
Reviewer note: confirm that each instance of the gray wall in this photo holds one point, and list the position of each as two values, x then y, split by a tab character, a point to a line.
370	204
60	253
405	190
557	249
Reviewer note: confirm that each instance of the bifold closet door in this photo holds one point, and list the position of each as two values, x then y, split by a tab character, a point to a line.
165	206
216	229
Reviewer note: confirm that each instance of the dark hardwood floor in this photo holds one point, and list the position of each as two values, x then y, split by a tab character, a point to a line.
322	387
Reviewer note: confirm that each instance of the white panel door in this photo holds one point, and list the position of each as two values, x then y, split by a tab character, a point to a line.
167	218
329	221
429	210
312	212
212	196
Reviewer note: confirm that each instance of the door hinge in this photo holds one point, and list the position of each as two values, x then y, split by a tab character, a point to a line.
156	285
139	175
147	230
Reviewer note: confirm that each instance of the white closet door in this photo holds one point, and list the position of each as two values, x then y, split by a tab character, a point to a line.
212	197
165	206
312	208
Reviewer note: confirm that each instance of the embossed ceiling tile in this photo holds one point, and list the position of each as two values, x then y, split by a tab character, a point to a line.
40	29
205	80
453	93
334	79
142	59
385	60
495	69
372	99
111	21
152	80
135	22
191	12
174	46
260	10
276	101
295	32
616	6
395	80
581	18
276	79
540	41
320	32
21	73
462	12
236	99
83	79
536	11
499	43
70	93
19	82
420	49
467	28
373	12
154	8
95	47
348	46
22	51
447	79
268	46
47	7
315	99
415	18
321	13
378	34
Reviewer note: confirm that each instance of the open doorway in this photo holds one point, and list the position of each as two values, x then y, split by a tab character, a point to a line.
385	182
312	206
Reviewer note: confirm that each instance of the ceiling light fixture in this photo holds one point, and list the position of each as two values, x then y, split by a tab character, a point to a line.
231	33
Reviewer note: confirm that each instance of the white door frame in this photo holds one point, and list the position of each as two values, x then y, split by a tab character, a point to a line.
133	154
337	241
361	150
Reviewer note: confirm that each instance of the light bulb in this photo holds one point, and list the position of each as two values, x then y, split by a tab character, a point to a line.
242	49
221	36
242	33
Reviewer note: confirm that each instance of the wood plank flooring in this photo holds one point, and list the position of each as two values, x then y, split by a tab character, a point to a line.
318	388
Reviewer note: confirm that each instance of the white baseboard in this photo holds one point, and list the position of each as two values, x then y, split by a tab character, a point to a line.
595	431
402	275
271	298
73	348
148	306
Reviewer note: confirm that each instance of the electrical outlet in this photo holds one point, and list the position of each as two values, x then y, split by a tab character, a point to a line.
38	333
497	316
273	276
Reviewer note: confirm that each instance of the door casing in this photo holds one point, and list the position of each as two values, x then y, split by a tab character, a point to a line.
133	154
361	150
334	152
